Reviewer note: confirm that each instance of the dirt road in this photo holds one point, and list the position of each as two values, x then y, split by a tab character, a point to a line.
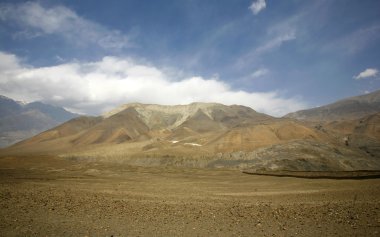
45	196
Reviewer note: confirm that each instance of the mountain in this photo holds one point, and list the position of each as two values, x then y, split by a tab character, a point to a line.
56	113
346	109
8	106
363	133
139	122
19	121
208	135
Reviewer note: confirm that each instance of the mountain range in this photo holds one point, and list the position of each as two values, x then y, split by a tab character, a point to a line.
346	109
19	121
341	136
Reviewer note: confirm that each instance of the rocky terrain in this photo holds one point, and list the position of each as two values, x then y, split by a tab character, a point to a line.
47	196
202	169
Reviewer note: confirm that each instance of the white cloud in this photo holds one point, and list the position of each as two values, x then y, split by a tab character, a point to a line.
260	72
276	41
8	62
267	46
257	6
369	72
38	20
95	87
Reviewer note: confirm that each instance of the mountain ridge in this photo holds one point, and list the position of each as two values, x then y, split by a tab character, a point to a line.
19	121
210	135
346	109
204	135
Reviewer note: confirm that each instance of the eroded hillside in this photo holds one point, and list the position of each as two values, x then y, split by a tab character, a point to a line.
210	135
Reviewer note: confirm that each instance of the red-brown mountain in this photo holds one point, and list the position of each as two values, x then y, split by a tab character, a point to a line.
204	135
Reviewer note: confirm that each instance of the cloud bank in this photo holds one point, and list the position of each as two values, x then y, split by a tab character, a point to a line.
96	87
257	6
37	20
369	72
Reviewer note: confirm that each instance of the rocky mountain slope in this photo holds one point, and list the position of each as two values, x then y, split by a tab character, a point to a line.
346	109
19	121
209	135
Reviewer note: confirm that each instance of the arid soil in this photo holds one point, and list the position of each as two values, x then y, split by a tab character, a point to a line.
46	196
367	174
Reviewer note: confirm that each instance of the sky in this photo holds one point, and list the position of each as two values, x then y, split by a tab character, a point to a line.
276	56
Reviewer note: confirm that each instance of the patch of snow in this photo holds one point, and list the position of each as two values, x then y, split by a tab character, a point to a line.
22	102
193	144
174	142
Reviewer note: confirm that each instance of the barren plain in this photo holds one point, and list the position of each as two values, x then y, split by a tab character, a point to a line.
49	196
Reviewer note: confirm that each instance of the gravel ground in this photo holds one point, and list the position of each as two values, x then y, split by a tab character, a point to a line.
51	197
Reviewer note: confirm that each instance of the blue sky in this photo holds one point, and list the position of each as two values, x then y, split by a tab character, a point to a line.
273	55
